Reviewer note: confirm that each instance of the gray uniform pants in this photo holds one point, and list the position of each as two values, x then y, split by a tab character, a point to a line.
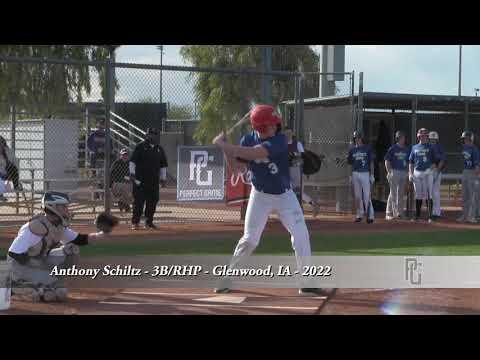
470	194
36	272
396	198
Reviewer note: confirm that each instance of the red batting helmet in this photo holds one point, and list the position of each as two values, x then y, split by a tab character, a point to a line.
422	132
263	116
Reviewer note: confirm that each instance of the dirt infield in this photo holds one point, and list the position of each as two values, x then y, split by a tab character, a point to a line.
177	301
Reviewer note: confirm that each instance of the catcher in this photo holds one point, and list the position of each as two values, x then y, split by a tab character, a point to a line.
47	241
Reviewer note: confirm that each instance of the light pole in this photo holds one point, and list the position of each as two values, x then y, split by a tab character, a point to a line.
460	70
160	47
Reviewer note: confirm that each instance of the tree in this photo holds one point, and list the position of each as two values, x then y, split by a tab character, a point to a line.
225	97
45	88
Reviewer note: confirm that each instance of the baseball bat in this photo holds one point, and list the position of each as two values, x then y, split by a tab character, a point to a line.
239	123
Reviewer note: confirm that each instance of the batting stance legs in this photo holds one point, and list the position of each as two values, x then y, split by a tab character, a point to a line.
361	189
260	206
145	197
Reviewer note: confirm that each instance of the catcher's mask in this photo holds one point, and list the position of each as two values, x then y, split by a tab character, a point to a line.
56	203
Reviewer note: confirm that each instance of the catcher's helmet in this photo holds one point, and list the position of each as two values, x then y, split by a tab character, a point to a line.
467	134
433	135
422	132
57	203
263	116
399	134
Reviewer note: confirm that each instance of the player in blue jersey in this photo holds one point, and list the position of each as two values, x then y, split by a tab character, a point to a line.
396	164
422	165
437	174
361	158
470	178
265	150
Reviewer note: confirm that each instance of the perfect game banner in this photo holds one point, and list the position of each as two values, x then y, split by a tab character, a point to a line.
200	173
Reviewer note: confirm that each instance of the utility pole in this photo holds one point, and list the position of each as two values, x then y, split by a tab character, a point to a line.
460	70
160	47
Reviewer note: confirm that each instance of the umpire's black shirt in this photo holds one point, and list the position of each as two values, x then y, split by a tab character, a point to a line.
148	160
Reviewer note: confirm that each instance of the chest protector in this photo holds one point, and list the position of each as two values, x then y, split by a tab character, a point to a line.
51	235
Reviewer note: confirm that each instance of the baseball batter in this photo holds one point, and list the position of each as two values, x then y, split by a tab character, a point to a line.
42	243
361	158
422	165
437	173
266	151
396	164
470	178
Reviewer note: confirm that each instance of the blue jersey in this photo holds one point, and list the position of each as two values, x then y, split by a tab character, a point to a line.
398	157
422	156
270	175
439	153
360	157
471	157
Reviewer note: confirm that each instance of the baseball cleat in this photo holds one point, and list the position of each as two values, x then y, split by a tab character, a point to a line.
370	221
388	218
312	292
460	219
357	220
135	227
224	286
151	226
222	290
472	221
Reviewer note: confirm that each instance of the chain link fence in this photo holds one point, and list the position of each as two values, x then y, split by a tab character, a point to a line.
328	123
80	143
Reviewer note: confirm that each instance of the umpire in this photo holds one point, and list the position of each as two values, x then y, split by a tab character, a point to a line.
148	169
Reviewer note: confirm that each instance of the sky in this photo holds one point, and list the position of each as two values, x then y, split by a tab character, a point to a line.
418	69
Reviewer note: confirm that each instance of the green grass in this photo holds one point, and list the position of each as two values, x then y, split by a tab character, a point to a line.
465	242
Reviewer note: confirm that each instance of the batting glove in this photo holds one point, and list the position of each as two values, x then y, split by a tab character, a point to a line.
410	177
372	179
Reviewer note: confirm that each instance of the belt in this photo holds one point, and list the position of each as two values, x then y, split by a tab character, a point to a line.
264	192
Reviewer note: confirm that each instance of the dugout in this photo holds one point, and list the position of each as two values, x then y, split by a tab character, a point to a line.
328	124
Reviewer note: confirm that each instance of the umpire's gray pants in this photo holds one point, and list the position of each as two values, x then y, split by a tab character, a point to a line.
396	198
470	194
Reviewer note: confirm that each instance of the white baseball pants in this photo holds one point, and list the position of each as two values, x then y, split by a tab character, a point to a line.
361	190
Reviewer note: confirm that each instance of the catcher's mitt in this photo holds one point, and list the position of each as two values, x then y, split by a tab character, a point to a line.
311	162
106	222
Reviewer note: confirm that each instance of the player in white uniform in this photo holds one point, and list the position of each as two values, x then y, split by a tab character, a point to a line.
437	174
295	150
42	243
361	157
422	165
266	151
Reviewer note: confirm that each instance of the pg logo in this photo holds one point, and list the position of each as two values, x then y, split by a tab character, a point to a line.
198	162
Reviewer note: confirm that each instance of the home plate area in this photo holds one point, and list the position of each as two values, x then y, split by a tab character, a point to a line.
205	302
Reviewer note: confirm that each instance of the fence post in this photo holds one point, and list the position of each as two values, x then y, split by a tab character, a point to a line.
109	101
301	105
359	125
352	96
466	114
267	79
87	134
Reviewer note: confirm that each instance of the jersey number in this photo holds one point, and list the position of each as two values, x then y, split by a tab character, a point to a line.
273	168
